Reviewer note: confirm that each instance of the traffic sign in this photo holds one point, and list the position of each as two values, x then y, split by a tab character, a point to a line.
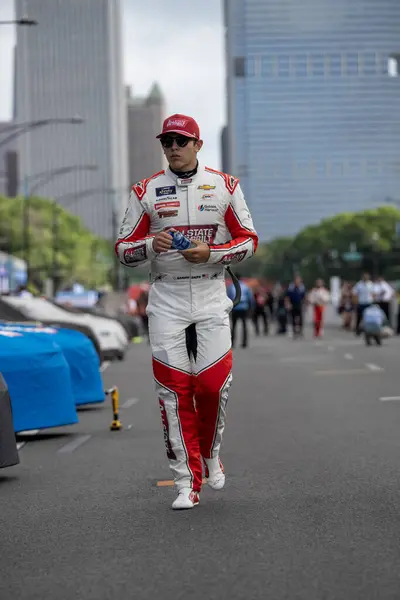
352	256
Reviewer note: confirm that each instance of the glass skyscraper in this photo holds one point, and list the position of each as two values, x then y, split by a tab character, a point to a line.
313	126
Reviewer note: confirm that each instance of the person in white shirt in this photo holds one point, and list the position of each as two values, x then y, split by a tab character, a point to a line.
318	298
383	295
364	291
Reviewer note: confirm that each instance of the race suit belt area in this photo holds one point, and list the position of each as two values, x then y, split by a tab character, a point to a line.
155	276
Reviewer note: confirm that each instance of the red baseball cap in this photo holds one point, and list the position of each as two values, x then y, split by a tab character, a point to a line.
181	124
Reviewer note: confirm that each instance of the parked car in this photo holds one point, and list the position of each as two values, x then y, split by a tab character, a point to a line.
110	334
14	314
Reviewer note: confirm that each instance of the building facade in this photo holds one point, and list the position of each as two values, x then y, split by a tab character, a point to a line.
70	65
312	126
145	118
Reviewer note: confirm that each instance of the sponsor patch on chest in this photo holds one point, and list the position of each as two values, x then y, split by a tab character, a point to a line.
167	213
167	190
203	233
207	208
167	204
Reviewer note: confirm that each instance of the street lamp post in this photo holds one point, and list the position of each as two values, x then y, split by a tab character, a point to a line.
24	128
54	261
25	22
118	277
18	129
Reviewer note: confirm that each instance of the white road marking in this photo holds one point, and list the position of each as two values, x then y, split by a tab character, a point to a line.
78	441
389	398
373	367
343	372
331	348
105	366
348	356
20	445
130	402
130	426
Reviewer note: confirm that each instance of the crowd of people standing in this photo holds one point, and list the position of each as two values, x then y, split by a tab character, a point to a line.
281	304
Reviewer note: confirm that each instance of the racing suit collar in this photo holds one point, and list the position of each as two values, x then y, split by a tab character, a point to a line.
183	179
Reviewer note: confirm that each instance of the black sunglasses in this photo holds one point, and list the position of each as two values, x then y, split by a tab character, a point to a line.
181	141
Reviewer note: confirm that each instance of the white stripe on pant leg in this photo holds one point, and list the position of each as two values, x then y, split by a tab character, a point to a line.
220	424
183	475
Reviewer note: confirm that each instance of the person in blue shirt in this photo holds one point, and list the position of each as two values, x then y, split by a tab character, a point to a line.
295	297
242	310
373	320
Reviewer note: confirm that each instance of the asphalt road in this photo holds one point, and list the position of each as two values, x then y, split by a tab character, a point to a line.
311	509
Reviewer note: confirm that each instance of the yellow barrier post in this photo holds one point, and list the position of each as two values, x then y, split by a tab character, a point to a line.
116	423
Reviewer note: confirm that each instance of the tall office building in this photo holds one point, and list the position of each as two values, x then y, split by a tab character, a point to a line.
145	119
312	110
70	65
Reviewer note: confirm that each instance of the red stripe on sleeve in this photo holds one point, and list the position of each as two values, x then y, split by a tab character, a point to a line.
139	232
239	233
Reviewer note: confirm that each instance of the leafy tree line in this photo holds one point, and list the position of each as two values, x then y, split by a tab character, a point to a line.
80	255
322	250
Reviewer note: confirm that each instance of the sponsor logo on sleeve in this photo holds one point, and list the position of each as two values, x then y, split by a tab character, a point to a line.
208	196
206	187
233	258
167	190
136	254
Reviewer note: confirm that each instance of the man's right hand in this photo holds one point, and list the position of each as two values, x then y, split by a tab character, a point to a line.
162	242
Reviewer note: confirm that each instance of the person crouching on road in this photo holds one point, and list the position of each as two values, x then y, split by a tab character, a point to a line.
318	298
373	321
188	307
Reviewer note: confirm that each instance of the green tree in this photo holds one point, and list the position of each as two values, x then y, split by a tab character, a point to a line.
81	256
319	250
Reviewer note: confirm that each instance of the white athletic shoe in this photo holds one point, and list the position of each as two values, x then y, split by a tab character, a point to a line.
187	498
215	473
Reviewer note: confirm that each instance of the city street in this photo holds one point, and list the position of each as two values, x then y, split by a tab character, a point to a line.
311	508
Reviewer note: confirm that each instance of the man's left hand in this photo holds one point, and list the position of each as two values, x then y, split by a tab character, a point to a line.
197	255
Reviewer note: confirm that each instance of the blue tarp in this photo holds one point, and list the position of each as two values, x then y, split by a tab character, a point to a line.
38	379
81	356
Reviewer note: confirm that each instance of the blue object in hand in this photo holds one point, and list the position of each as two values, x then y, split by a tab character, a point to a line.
180	241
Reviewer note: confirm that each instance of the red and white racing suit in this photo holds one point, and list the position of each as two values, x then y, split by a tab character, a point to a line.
192	393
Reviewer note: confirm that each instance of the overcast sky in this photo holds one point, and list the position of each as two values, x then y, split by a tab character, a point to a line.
177	43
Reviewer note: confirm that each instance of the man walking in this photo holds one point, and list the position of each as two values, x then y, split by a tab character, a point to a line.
364	291
384	293
261	302
188	306
242	310
295	296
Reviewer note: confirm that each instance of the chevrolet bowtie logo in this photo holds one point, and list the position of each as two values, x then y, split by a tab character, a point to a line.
206	187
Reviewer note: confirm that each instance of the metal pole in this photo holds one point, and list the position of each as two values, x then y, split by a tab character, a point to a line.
54	265
114	229
27	158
